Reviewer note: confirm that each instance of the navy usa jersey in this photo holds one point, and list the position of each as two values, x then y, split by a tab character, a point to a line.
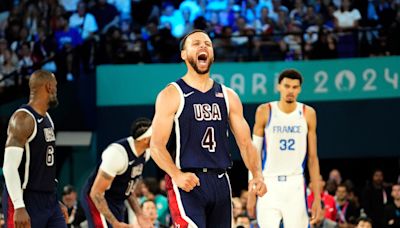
200	135
124	183
37	169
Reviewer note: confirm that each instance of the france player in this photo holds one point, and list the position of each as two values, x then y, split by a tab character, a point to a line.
285	133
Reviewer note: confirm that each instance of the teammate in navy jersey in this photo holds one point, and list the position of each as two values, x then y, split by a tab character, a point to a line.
285	133
29	199
199	112
115	178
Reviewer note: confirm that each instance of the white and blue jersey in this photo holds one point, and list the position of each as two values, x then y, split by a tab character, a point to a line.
283	160
201	128
285	142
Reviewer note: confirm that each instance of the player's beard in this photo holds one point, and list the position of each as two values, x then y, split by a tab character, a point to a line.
193	63
53	101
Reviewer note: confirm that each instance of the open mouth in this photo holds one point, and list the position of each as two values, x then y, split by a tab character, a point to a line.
202	58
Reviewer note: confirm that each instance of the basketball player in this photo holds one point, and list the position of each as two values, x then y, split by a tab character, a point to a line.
285	132
199	111
115	178
29	199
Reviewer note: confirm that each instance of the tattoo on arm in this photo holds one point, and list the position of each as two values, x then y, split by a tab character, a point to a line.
103	208
20	128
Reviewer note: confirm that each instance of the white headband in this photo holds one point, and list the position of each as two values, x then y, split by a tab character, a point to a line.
146	134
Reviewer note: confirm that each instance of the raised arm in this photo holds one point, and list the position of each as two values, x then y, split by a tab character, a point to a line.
313	163
241	131
167	105
20	128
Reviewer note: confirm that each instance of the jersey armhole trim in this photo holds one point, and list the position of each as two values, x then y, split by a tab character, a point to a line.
226	98
34	120
269	115
182	100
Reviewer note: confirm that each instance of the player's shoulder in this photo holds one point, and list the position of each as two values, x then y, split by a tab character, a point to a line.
264	108
309	110
22	117
168	94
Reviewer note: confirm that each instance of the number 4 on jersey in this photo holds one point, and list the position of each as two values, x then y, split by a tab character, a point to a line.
208	141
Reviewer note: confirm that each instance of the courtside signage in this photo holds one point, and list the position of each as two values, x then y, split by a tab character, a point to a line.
255	82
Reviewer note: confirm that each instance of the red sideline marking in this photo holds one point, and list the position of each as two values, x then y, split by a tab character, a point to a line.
177	219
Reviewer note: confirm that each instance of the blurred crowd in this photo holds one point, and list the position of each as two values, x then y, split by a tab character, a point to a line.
73	36
344	205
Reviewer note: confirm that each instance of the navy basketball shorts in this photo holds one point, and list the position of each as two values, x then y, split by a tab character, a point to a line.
43	209
94	218
207	205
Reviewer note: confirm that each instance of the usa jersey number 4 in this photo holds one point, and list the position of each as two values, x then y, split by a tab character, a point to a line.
208	142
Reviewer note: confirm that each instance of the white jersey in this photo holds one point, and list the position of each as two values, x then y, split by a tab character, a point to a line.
285	142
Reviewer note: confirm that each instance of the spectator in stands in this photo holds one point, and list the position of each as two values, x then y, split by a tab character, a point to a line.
173	18
331	187
5	8
67	39
84	21
187	24
193	7
244	194
299	11
114	47
347	212
25	63
151	191
328	200
57	12
86	24
335	175
223	46
392	210
291	43
23	37
365	223
163	190
76	215
277	7
8	68
69	5
374	197
150	211
44	51
3	48
106	15
123	7
237	207
32	19
242	221
346	20
324	222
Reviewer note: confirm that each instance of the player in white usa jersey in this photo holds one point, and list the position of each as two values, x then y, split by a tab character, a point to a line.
285	134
